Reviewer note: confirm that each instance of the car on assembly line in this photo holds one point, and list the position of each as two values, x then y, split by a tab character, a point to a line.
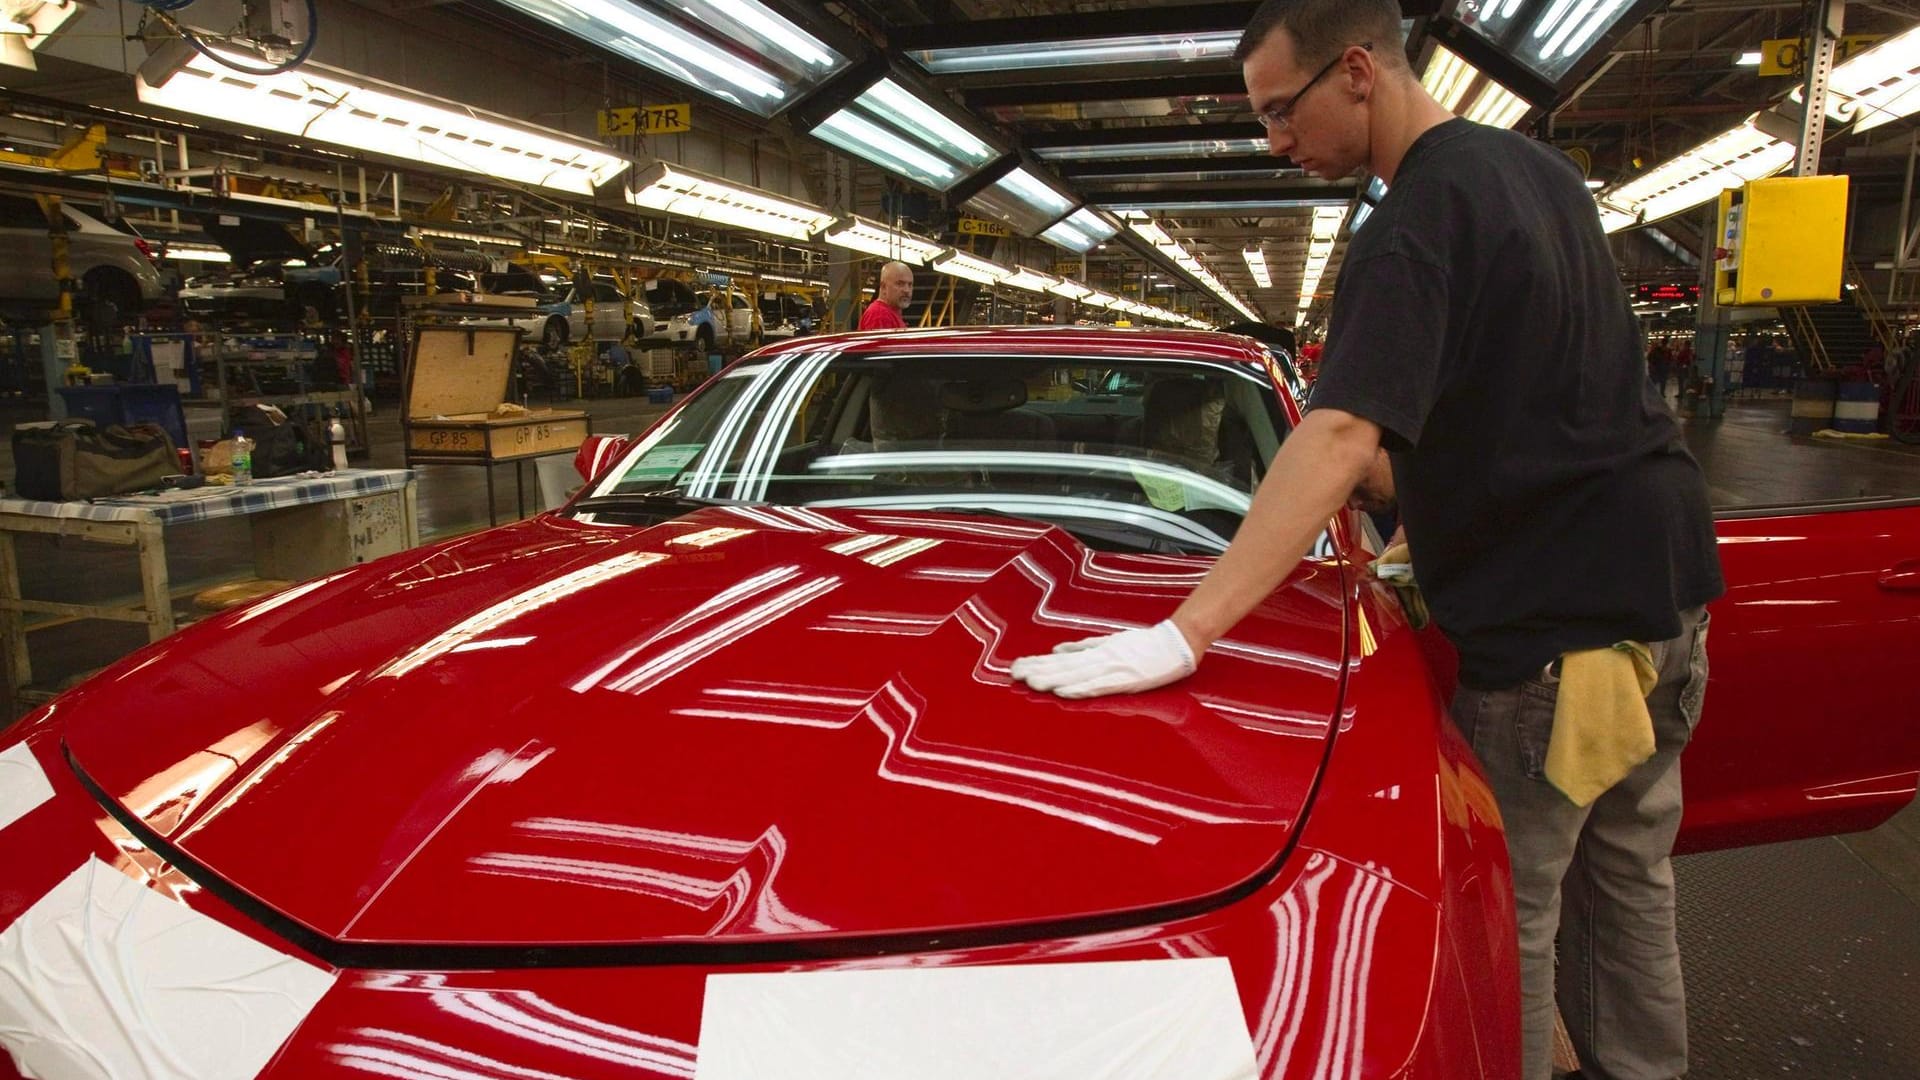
593	310
786	315
111	267
723	317
721	765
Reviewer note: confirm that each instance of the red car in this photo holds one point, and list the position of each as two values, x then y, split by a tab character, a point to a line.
719	771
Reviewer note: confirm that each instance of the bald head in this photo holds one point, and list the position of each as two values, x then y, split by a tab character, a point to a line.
896	285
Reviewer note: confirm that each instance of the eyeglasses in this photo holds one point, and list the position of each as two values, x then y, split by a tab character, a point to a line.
1276	118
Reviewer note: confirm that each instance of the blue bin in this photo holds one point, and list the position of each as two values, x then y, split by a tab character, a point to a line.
130	403
1857	409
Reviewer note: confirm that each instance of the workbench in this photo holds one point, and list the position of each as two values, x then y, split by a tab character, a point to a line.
302	528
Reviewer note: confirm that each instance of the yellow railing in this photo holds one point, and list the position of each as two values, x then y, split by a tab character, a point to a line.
1883	331
1809	335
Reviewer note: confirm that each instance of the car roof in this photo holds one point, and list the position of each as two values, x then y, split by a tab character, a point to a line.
1116	343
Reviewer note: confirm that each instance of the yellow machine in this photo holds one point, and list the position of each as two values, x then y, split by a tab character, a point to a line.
1781	241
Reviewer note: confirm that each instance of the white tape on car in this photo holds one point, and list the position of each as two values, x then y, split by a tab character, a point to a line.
23	784
1132	1020
105	977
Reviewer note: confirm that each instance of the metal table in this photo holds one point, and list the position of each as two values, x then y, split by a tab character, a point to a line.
141	521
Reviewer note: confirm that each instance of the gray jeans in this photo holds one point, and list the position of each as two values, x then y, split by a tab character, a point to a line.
1598	876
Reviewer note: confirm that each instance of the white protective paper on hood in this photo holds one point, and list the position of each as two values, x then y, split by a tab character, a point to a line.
23	784
1131	1020
105	977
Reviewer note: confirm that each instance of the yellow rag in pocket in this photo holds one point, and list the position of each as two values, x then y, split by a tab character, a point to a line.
1601	727
1395	567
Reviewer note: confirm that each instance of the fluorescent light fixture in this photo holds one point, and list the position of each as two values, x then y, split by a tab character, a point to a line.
332	106
972	267
1326	222
893	128
673	190
1099	299
1174	148
1069	288
29	24
874	238
1257	265
195	253
739	51
1549	36
1881	84
1152	233
1447	77
1030	280
1023	201
1081	230
1080	52
1595	185
1498	106
472	237
1216	207
1727	160
1748	59
1326	228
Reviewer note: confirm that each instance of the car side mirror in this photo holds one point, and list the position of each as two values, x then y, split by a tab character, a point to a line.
599	451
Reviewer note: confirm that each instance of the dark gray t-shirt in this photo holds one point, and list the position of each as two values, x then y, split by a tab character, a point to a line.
1479	319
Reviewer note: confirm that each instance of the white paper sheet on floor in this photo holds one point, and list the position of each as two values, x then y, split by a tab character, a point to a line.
105	977
1132	1020
23	784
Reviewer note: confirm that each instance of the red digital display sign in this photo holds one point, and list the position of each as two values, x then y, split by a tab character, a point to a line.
1670	292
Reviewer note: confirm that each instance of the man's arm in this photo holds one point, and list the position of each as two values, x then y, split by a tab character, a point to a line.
1312	476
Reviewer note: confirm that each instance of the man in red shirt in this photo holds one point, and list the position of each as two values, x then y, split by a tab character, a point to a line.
895	292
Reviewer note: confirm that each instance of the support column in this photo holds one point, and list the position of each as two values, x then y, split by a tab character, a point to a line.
843	291
1711	327
1823	39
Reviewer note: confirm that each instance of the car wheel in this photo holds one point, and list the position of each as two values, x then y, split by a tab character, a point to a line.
554	336
704	340
108	297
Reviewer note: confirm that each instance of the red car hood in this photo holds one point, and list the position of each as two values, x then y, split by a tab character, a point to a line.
738	725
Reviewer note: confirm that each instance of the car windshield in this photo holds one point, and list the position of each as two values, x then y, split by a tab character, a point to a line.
1151	455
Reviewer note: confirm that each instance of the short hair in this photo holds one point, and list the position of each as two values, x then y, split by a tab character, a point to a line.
1321	29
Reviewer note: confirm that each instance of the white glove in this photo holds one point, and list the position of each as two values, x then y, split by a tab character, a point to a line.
1125	663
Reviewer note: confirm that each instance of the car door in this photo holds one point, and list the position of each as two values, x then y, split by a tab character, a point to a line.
1809	725
609	312
741	317
26	251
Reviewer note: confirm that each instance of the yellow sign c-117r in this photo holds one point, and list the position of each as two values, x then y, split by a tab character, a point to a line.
647	120
1784	56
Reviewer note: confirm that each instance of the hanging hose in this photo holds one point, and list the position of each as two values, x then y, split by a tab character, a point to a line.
163	9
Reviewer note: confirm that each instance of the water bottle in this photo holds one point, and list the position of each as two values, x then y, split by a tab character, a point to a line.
242	457
337	438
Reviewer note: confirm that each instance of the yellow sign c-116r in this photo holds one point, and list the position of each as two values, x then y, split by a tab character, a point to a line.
647	120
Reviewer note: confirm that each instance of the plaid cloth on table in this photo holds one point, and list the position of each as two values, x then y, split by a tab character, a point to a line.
207	503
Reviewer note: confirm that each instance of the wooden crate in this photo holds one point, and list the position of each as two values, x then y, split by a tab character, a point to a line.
456	377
